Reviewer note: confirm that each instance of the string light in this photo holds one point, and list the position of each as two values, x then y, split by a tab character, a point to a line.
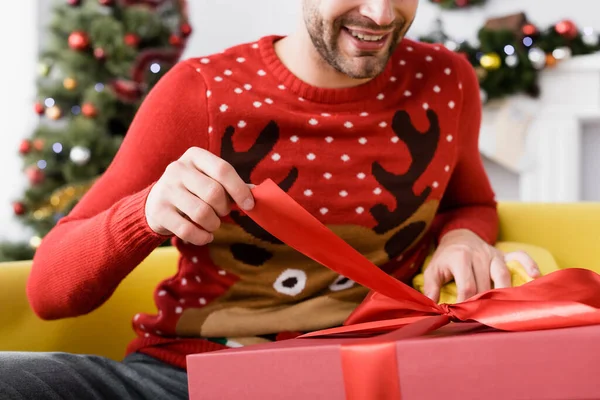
527	41
509	50
99	87
451	45
155	68
49	102
561	53
35	242
57	147
42	164
512	61
76	110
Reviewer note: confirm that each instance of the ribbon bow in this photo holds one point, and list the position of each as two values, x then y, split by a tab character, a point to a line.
565	298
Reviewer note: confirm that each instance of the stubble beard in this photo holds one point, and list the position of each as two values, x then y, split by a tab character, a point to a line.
364	65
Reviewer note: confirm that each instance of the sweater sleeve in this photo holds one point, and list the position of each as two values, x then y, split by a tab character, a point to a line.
469	201
88	253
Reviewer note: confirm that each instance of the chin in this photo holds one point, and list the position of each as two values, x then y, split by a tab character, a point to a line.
364	73
365	67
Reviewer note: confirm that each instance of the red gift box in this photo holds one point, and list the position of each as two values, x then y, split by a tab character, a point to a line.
537	341
549	364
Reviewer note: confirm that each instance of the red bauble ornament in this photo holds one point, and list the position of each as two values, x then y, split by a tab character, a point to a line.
89	110
19	208
175	40
74	3
39	108
461	3
128	91
186	30
79	40
131	39
25	146
100	54
35	175
107	3
567	29
529	30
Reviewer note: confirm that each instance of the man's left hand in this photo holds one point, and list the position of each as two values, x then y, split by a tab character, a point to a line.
473	264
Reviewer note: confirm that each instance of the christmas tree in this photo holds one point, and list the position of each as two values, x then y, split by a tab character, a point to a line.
102	58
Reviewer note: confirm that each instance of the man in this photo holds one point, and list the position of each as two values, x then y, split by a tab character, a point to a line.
373	134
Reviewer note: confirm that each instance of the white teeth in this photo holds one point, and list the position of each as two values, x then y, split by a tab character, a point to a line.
366	38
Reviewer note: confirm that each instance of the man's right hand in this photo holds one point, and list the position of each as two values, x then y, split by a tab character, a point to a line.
193	194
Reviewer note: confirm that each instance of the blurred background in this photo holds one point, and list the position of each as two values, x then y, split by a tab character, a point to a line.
75	71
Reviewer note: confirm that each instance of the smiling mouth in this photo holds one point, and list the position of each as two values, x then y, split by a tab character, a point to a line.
367	36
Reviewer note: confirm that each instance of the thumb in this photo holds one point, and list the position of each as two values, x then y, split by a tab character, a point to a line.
432	284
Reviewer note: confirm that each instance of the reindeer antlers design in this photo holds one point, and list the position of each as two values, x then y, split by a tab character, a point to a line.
422	147
244	163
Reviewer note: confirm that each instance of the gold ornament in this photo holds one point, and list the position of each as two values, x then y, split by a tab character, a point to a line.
39	215
35	242
490	61
60	199
481	73
70	83
53	112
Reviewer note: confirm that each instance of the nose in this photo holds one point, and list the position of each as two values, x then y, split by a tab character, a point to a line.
379	11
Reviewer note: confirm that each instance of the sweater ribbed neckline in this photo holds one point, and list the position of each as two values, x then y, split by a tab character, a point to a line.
309	92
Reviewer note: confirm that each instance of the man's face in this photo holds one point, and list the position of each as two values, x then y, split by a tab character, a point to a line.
357	37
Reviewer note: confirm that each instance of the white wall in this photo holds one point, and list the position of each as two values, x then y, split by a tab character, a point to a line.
18	41
217	24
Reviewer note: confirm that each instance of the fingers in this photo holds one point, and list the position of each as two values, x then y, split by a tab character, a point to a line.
500	273
195	209
433	282
185	229
222	172
462	269
208	190
481	270
441	271
526	261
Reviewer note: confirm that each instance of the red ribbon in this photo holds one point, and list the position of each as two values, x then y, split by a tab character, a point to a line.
565	298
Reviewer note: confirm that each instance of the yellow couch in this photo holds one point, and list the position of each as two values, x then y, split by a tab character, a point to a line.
571	233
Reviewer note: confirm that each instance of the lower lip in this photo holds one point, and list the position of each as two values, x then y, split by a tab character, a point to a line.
364	45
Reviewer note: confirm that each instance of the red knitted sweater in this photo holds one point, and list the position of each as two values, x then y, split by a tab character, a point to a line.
389	166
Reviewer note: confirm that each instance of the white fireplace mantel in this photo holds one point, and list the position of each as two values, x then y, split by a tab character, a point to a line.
540	139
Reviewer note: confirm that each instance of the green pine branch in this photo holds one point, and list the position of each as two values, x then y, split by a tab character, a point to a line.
520	56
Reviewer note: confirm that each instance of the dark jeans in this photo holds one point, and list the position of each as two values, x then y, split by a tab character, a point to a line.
61	376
